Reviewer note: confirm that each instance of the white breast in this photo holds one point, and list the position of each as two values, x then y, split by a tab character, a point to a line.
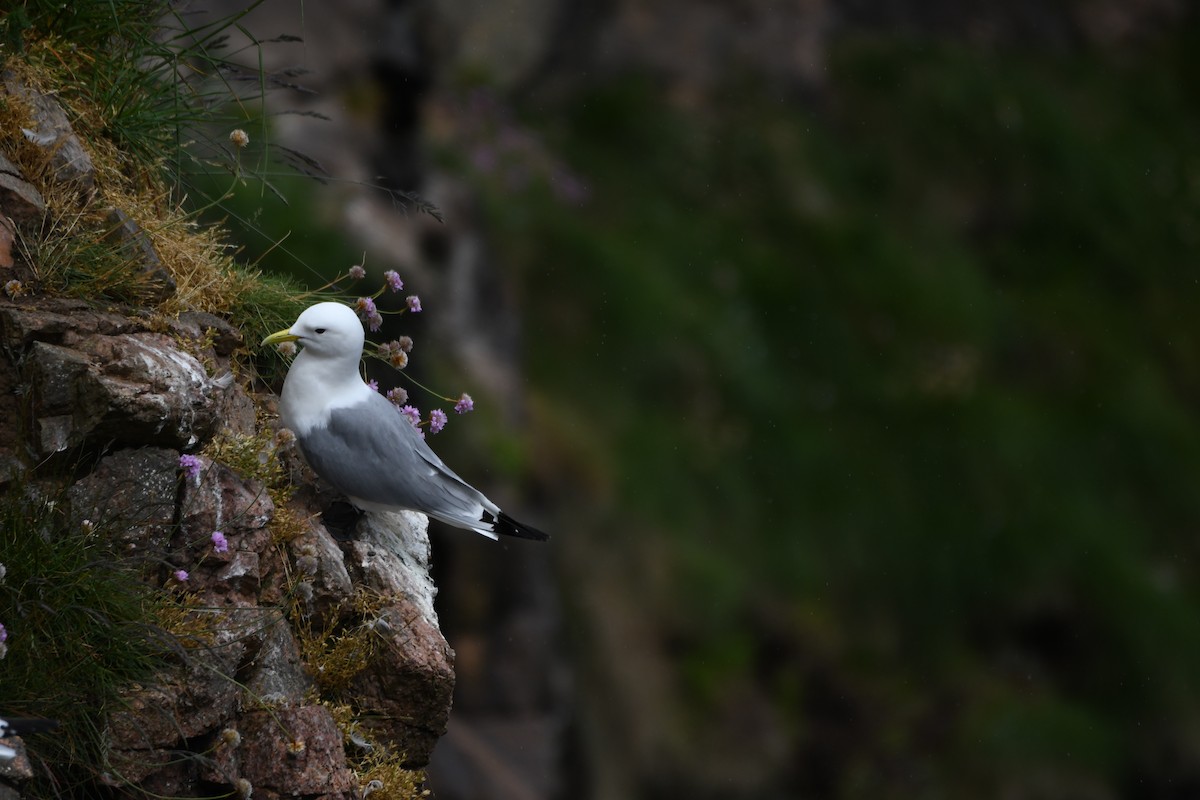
309	394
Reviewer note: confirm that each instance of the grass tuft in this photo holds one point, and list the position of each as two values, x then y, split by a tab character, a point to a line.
345	644
81	627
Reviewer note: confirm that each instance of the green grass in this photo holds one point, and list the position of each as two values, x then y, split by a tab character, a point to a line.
157	80
81	628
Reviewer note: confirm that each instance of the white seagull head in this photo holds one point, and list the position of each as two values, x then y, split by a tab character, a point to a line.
325	330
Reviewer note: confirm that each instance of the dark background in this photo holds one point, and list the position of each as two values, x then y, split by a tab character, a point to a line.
848	348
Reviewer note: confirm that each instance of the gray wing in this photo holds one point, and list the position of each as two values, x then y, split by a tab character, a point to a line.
371	451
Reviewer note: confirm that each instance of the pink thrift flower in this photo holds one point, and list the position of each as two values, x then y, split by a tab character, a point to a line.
357	272
180	575
191	466
399	395
413	413
219	542
393	280
373	384
414	303
464	404
437	420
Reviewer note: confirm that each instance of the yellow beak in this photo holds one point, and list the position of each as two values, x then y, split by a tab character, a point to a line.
279	337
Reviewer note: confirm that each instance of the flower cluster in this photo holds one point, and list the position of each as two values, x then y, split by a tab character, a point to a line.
395	352
14	289
191	466
365	306
437	418
413	413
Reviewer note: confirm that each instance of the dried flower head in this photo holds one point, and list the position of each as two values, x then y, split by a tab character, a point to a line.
365	306
357	272
286	349
231	737
399	395
239	138
14	289
398	359
406	343
295	747
245	789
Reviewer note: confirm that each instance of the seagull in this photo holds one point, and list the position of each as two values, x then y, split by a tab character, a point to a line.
359	442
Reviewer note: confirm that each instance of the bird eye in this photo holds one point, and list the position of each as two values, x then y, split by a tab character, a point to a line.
320	330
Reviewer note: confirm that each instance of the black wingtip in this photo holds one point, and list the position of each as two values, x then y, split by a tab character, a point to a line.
507	526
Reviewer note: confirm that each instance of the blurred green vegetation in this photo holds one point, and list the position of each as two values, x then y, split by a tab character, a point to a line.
915	369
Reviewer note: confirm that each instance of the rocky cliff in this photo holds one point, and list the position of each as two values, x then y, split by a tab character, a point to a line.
295	661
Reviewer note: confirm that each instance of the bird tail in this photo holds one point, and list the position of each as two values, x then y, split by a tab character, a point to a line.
507	526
